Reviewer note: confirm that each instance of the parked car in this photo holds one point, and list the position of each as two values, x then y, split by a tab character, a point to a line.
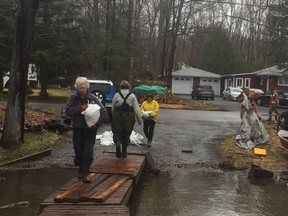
203	91
104	90
283	98
264	100
231	93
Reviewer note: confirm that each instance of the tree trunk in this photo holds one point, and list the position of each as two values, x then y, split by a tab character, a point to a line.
43	80
174	32
163	35
13	130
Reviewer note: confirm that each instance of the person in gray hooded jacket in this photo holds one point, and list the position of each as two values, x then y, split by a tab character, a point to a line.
83	136
125	108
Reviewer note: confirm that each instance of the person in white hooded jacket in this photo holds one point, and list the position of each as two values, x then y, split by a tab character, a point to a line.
125	108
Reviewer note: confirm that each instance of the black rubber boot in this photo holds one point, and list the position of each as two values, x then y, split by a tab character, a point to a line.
118	152
270	118
118	149
80	172
124	150
86	171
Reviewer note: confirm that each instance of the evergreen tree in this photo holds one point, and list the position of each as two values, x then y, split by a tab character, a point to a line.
218	55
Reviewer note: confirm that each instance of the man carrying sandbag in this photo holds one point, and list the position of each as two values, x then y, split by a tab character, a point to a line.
84	126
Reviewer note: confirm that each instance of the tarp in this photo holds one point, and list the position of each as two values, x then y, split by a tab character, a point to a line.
149	89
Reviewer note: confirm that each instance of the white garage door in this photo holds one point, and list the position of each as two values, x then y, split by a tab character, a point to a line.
181	85
215	83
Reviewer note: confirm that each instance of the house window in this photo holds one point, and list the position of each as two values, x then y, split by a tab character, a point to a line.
239	82
187	78
283	81
181	78
228	82
176	78
247	83
215	80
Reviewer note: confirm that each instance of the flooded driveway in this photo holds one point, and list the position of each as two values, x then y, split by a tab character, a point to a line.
189	184
209	192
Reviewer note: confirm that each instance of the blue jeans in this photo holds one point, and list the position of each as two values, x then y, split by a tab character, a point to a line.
83	143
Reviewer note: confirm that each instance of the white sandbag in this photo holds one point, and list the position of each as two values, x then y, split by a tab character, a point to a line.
136	138
107	138
146	115
92	114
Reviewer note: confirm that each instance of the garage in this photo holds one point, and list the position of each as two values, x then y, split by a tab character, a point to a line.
184	79
182	85
215	83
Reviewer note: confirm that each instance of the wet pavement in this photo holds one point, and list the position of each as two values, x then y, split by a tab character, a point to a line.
189	184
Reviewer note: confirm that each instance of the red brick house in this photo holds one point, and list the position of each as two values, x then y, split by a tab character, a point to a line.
265	79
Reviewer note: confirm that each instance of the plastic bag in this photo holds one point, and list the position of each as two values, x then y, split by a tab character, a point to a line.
106	138
146	115
136	138
92	114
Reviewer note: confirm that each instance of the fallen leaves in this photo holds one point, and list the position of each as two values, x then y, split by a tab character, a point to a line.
34	118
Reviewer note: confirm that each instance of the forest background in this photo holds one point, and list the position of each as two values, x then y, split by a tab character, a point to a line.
132	39
147	39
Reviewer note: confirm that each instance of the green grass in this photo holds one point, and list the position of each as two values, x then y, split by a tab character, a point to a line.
34	142
53	92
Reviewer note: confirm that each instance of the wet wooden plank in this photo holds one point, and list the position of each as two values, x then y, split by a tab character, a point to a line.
129	152
113	181
77	210
95	181
30	157
92	194
119	197
59	197
149	160
108	163
105	194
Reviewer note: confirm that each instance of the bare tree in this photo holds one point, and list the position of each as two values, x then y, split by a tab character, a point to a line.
13	130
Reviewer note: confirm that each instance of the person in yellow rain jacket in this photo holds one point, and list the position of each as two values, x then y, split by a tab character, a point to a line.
150	110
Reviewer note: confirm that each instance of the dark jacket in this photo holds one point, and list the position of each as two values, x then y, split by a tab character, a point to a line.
74	109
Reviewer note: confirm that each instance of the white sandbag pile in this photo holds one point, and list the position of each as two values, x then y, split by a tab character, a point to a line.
106	138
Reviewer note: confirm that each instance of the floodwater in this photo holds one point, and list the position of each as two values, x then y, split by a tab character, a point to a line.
208	192
176	191
30	185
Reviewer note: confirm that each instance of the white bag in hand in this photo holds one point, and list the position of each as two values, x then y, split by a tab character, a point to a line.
146	115
92	114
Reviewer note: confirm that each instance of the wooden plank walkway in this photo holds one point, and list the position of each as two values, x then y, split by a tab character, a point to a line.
112	183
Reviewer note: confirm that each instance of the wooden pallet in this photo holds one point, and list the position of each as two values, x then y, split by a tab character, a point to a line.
112	183
108	163
82	210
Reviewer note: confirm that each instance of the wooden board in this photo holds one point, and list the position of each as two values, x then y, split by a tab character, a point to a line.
119	197
112	184
76	210
108	163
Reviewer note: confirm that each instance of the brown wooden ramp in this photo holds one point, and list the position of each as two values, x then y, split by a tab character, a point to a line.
78	210
112	183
